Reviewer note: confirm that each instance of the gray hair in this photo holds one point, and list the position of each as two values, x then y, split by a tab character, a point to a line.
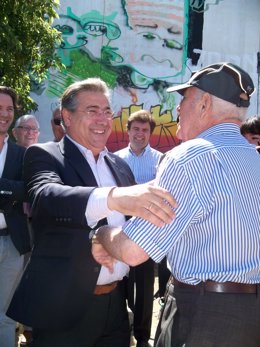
225	108
69	98
24	119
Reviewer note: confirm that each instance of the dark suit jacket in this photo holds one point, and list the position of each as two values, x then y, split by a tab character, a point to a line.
59	280
12	196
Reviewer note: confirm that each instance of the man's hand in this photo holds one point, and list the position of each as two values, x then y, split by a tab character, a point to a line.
118	245
152	203
102	257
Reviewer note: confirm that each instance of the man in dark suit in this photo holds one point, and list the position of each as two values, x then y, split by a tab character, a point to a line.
64	294
14	236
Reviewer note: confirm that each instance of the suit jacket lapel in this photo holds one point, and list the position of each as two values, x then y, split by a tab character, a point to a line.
117	171
78	162
81	166
10	164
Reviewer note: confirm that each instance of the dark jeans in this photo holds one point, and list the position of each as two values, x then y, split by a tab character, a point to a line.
209	319
105	324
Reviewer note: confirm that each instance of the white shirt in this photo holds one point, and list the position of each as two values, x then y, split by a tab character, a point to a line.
97	208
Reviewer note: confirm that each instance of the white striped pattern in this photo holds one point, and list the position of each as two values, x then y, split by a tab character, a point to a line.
143	166
216	234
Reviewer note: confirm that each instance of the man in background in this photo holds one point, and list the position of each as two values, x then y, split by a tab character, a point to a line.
250	129
143	161
14	235
57	126
26	130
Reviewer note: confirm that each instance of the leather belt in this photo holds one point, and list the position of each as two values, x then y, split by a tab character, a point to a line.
105	288
218	287
4	232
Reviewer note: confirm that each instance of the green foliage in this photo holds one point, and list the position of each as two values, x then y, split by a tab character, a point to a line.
27	45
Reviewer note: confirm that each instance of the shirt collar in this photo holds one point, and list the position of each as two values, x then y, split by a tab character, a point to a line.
146	149
220	129
5	142
85	151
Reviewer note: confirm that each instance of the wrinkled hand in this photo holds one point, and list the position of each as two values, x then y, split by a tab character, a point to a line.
152	203
102	256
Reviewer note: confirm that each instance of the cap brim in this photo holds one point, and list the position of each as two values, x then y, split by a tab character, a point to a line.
180	88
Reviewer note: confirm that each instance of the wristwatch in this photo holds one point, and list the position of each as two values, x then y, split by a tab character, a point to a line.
93	236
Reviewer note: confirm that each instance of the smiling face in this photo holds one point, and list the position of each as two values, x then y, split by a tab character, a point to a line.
139	136
27	133
6	113
89	130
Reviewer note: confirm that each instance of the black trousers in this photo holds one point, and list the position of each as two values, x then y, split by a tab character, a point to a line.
163	276
193	319
140	298
105	324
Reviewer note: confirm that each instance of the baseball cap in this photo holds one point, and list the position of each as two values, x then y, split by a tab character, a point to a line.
225	80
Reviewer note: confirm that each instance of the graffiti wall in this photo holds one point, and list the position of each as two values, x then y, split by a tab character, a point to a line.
138	47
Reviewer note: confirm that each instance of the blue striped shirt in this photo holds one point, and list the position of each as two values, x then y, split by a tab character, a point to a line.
143	166
216	234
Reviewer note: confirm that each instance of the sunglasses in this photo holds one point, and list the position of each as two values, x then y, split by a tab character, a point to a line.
57	121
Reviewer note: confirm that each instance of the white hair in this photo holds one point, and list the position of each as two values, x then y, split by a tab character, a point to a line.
24	119
224	108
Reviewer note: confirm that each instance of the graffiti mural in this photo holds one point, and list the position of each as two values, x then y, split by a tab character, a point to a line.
138	47
202	5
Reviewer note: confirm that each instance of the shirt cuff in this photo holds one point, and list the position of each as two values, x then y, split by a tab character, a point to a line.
97	206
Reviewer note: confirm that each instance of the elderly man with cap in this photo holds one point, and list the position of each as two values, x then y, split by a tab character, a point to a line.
213	244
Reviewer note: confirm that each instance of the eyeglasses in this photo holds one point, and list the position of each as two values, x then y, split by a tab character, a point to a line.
57	121
92	113
28	129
